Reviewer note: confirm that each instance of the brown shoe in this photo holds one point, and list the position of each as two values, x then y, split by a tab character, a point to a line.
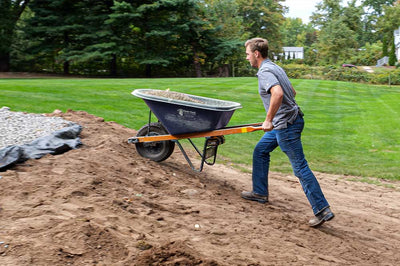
250	195
319	219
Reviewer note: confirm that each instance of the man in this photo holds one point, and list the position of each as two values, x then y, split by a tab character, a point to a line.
282	126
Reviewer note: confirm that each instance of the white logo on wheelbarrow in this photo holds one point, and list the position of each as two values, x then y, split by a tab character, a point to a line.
186	113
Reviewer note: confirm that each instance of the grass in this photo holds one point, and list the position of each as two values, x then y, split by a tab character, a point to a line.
351	128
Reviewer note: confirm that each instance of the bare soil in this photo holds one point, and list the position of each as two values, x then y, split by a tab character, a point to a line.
103	204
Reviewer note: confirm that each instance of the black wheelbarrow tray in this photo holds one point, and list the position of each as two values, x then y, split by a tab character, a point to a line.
184	116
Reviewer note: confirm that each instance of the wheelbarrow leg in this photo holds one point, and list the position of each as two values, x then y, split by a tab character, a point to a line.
209	151
211	148
148	124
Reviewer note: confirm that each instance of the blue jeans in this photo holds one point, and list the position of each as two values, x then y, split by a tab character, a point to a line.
289	140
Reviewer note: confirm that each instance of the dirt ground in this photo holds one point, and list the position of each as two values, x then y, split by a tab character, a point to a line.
103	204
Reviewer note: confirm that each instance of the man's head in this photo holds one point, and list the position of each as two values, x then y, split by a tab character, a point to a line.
256	51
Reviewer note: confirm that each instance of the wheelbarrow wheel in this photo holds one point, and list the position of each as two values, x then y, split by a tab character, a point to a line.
158	150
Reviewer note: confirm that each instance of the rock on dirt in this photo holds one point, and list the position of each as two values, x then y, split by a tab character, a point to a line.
103	204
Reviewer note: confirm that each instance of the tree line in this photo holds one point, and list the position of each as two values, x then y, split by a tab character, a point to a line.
154	38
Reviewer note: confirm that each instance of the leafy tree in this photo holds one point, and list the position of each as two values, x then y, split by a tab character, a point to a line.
224	44
154	35
93	42
162	36
352	15
389	21
386	25
330	10
327	11
159	32
122	35
10	12
19	59
385	50
392	55
376	7
374	10
310	55
341	30
368	55
311	36
147	30
336	43
54	30
293	31
168	38
263	18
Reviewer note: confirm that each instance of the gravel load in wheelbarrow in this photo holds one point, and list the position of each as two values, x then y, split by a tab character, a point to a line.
182	113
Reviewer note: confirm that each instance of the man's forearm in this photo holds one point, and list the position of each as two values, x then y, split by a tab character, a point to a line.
275	102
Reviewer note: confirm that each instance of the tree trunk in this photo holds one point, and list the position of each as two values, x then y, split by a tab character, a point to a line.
196	62
223	71
148	71
113	66
5	62
197	69
66	67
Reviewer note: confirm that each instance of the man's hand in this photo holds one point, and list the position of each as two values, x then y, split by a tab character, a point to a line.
267	126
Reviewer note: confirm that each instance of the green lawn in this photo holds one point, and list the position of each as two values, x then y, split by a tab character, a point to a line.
351	128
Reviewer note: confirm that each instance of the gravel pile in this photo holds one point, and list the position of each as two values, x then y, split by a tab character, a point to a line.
174	95
18	128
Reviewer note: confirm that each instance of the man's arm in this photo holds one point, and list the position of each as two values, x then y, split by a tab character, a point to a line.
275	102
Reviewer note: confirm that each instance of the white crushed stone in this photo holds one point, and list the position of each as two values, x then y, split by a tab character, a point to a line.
19	128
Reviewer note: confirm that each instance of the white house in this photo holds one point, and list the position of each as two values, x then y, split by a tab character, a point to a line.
293	52
397	42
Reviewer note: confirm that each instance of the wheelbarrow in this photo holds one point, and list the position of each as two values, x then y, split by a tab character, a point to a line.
184	116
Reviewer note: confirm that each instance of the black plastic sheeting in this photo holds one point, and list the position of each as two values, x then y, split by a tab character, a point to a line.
58	142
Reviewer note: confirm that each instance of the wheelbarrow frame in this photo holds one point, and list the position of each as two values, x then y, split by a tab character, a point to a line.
213	139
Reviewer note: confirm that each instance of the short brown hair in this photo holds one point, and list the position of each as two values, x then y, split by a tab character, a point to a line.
258	44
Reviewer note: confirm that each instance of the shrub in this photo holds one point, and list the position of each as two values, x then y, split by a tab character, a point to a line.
338	73
389	77
303	71
395	77
346	74
297	71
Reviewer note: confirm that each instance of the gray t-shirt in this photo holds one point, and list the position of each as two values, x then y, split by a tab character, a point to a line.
269	75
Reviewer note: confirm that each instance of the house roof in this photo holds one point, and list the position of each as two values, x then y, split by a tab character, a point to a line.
293	49
397	32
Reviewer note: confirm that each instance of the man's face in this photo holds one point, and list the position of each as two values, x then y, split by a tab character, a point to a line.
251	57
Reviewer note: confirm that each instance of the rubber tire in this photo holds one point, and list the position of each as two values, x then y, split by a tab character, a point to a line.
156	151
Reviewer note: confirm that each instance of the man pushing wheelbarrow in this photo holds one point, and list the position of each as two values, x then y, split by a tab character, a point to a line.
187	116
282	126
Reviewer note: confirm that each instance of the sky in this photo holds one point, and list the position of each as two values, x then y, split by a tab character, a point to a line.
301	9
